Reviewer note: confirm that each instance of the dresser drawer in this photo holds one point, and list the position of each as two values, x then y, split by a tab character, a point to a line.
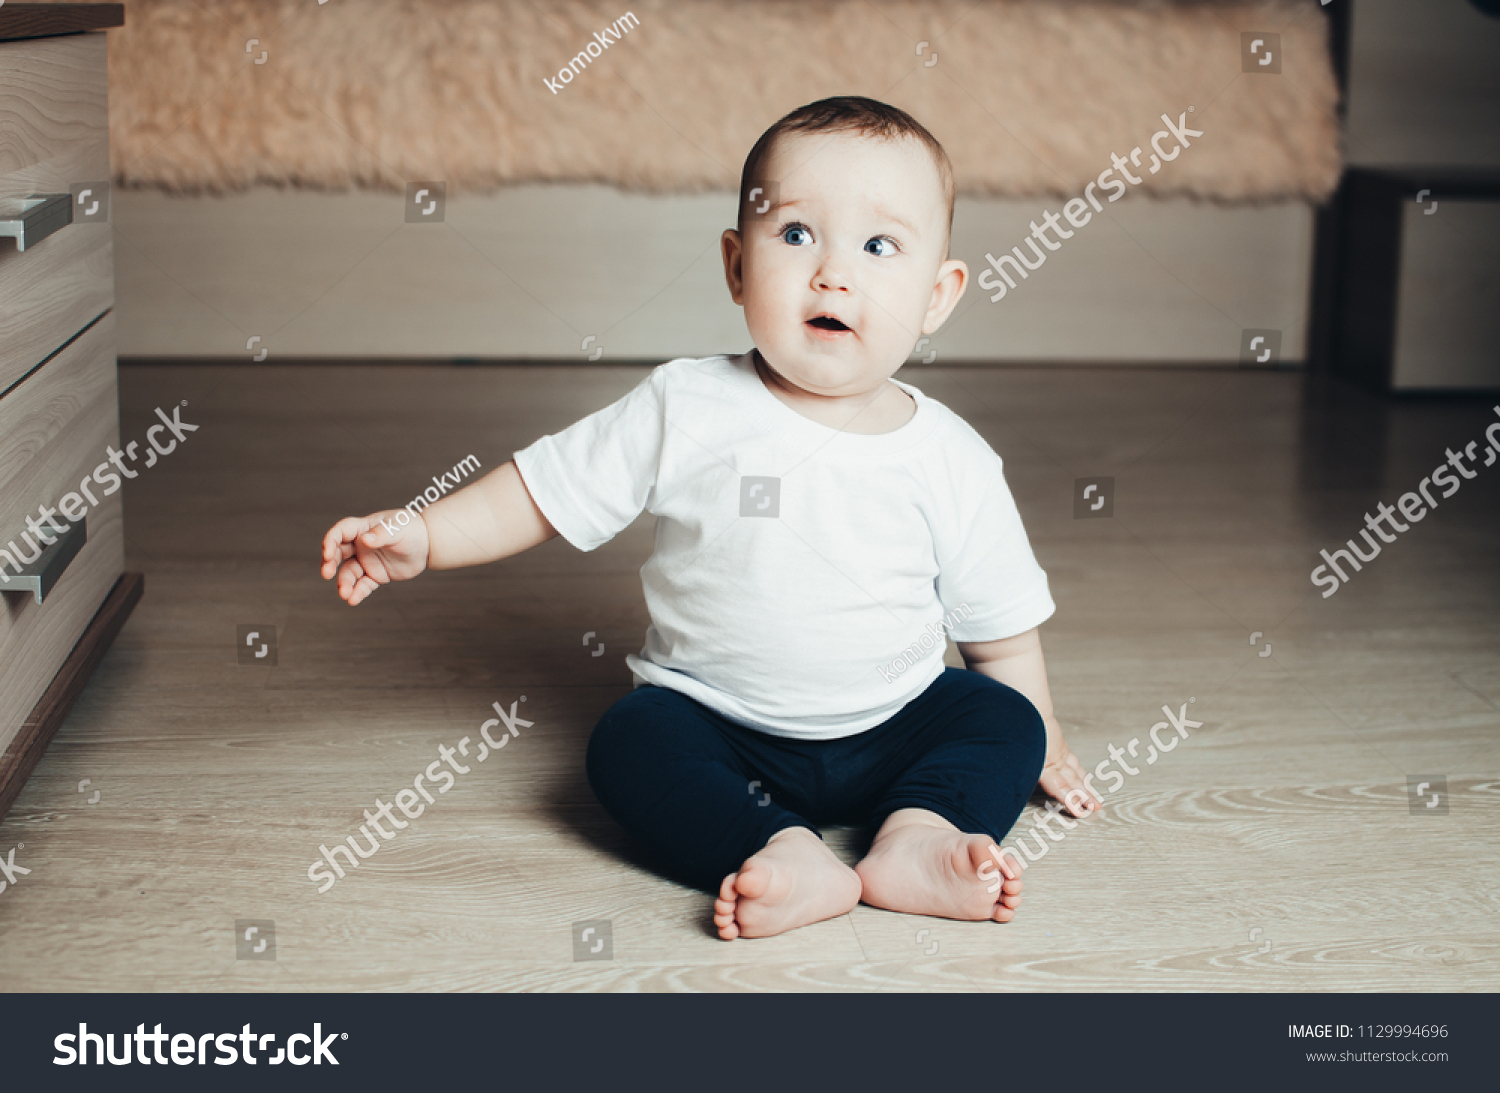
54	132
53	431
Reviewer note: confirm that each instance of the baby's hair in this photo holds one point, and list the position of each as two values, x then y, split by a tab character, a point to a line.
847	114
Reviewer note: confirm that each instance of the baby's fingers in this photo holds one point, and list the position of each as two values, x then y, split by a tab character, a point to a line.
1089	798
378	535
330	564
402	546
356	583
362	589
1065	783
349	574
338	543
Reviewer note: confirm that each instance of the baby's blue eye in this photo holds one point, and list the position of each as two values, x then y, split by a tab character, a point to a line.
875	245
796	235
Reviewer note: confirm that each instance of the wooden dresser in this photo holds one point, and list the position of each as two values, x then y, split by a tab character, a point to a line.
65	594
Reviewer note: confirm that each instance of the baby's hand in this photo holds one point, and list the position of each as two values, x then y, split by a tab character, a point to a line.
365	552
1063	777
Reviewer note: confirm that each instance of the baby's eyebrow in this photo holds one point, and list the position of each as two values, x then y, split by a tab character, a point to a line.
880	213
885	215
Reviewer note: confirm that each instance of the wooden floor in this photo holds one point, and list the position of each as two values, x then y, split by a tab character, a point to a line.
1275	849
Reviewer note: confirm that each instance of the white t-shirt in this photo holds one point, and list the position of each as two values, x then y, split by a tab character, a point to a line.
802	576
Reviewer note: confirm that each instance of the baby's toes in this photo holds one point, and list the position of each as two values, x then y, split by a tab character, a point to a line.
1006	906
1013	887
724	909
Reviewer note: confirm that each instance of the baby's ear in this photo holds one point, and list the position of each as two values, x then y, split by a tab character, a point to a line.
953	278
732	244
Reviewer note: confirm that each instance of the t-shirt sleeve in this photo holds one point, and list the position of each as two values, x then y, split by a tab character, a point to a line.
989	582
593	478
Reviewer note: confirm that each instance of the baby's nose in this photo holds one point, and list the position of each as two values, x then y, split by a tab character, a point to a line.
831	277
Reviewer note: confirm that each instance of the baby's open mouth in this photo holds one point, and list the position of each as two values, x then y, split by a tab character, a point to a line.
826	322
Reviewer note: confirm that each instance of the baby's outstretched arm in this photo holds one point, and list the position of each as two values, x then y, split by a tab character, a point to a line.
485	521
1017	662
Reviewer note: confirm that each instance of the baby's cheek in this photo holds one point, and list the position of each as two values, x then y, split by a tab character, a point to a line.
768	307
893	321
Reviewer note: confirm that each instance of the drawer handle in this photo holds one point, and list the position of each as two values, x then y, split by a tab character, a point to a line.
47	569
41	215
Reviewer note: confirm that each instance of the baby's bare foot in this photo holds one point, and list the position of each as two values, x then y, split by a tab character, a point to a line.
792	881
923	869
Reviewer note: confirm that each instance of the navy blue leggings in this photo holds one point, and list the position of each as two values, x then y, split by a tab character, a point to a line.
703	794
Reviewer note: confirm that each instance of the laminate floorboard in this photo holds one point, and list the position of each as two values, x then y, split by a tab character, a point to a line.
1277	848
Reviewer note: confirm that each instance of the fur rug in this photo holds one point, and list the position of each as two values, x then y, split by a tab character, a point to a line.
1030	97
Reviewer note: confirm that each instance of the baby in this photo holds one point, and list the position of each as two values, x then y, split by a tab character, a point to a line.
820	526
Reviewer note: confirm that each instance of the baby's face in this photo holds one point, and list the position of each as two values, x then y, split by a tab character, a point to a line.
842	275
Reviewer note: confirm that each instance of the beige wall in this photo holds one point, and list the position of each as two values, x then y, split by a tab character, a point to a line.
530	272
